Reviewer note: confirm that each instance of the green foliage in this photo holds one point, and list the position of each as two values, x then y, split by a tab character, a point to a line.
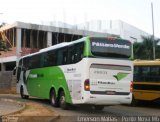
158	51
3	46
144	49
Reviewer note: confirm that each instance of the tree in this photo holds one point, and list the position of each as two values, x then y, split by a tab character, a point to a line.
144	49
3	46
157	52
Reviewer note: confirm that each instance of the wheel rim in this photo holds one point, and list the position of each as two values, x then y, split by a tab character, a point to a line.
52	99
62	100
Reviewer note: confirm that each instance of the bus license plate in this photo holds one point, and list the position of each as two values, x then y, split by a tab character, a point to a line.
110	92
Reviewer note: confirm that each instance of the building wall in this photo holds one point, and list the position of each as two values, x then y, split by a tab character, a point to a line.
116	27
130	32
7	82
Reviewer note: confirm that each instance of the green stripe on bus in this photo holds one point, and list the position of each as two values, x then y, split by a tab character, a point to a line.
41	80
87	49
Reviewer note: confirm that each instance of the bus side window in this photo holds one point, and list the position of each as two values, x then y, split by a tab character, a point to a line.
26	63
35	62
71	54
158	74
44	60
146	73
31	64
136	74
79	52
75	53
51	58
154	73
62	56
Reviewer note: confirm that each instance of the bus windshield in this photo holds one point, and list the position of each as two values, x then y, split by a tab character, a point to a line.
111	47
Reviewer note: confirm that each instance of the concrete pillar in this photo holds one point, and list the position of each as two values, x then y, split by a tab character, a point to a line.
18	43
0	67
3	67
49	39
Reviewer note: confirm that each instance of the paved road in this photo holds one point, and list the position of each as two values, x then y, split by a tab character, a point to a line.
118	110
109	111
117	113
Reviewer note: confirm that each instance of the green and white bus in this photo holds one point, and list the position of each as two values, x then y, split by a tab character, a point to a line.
92	71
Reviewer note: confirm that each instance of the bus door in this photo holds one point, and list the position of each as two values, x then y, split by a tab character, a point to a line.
19	75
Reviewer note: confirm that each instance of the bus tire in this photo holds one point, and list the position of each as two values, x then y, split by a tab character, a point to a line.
62	101
134	102
99	107
23	96
53	99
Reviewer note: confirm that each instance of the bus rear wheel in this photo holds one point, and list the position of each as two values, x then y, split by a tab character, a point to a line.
53	99
62	101
134	102
23	96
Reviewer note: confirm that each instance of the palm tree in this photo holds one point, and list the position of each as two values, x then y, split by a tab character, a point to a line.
144	50
137	50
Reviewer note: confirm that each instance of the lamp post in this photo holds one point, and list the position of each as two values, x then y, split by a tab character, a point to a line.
154	53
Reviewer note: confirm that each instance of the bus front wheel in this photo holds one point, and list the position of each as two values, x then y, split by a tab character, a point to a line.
23	96
53	99
62	101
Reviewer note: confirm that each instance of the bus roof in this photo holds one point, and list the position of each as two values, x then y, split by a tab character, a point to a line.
55	46
146	62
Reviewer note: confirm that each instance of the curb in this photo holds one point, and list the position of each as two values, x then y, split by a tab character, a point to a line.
23	106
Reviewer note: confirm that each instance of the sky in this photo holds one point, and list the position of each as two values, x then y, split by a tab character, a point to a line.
134	12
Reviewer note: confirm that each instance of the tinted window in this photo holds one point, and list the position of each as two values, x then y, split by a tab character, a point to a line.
26	63
20	63
147	73
50	58
35	61
55	57
62	56
75	53
155	73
